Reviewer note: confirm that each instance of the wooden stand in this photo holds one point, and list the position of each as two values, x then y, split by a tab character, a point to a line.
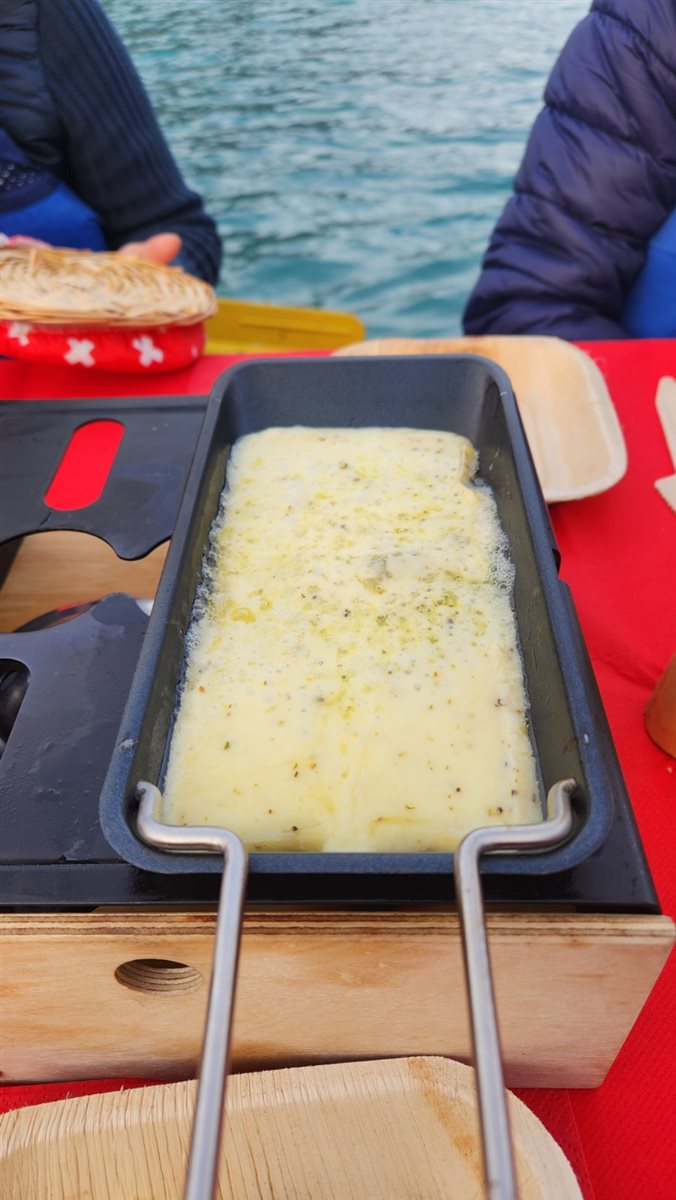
82	999
320	987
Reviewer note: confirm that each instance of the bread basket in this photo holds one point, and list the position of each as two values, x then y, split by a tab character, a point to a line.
46	286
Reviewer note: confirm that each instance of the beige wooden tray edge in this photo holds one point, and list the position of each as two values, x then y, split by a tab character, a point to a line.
550	377
392	1128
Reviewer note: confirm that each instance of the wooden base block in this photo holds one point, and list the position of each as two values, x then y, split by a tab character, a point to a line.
82	1000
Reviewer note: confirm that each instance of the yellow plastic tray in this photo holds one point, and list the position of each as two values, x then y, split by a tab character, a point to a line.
240	326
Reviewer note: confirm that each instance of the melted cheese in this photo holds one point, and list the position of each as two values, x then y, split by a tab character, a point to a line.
353	681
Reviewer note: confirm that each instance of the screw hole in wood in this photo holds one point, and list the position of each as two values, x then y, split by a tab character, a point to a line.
157	975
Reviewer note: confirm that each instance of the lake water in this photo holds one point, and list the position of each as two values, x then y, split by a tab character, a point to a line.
355	153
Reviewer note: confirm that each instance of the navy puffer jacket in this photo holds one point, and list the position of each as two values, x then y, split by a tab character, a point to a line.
597	181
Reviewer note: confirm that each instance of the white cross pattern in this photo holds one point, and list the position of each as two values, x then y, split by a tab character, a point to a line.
20	331
148	352
80	352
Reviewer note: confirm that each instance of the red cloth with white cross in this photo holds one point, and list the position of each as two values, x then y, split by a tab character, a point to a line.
161	348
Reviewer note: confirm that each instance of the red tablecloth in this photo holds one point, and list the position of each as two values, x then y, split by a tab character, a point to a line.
619	556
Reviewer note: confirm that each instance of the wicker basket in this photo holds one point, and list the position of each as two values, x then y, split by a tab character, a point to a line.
45	286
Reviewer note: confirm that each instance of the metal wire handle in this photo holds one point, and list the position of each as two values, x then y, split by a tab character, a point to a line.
209	1117
202	1176
496	1138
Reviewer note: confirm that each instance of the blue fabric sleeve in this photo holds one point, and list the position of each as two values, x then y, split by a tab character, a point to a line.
650	310
598	179
116	157
61	219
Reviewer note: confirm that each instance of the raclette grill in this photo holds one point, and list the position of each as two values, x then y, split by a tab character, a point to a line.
571	738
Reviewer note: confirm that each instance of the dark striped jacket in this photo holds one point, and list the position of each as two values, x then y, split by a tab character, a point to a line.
71	98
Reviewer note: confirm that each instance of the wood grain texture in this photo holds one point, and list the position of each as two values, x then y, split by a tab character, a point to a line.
399	1130
323	987
571	425
62	568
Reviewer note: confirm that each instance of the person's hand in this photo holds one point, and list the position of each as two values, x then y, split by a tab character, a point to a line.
162	248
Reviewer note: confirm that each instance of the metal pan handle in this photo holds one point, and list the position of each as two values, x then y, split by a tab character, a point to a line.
202	1175
496	1138
207	1129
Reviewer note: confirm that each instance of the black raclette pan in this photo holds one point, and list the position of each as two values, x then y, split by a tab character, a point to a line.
458	393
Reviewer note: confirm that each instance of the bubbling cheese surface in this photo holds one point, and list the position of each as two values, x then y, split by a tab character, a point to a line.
353	680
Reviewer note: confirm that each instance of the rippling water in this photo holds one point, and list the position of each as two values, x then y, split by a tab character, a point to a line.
355	153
